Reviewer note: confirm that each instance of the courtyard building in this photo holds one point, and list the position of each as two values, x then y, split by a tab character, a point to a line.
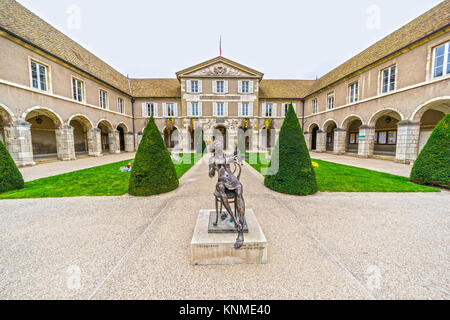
58	100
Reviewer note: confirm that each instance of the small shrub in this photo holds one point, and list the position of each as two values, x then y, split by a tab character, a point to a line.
10	176
295	173
432	167
153	171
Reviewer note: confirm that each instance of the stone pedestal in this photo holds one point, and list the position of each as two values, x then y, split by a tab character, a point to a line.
218	248
129	142
18	142
94	137
407	142
114	142
340	141
366	141
321	142
65	143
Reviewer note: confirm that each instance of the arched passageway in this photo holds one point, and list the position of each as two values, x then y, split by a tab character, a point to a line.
221	131
385	139
329	129
171	137
105	128
81	125
122	131
353	135
314	134
44	124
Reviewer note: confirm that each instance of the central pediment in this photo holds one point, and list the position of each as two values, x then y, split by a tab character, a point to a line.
220	67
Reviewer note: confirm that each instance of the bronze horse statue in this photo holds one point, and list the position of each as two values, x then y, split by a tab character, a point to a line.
229	186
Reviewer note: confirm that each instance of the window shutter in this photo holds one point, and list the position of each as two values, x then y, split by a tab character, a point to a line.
225	84
200	109
295	107
155	108
164	105
240	109
188	86
274	110
225	111
214	86
144	110
200	86
251	88
215	109
175	106
240	86
189	109
283	109
263	110
250	109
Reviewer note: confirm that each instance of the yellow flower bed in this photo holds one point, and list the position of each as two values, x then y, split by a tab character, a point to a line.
315	165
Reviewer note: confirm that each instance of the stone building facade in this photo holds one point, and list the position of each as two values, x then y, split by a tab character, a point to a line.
59	100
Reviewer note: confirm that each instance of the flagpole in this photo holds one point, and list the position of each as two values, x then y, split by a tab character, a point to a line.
220	45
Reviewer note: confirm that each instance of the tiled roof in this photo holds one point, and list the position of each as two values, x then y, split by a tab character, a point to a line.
20	21
426	24
156	88
294	89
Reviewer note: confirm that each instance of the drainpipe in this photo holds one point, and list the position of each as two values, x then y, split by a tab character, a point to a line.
134	125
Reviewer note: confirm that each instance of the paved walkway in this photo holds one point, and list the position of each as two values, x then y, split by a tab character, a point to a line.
371	164
49	169
327	246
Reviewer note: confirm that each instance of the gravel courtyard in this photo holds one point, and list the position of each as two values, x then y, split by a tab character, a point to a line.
328	246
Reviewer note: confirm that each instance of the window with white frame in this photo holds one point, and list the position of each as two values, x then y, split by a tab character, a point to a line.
39	76
151	110
269	110
330	101
195	109
171	110
354	92
103	99
388	78
314	106
441	60
78	89
245	112
220	86
120	105
245	87
194	86
220	109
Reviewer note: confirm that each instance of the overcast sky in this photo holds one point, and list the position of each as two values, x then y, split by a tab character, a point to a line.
284	39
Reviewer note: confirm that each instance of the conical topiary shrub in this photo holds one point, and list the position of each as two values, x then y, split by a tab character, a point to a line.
291	167
432	167
153	171
10	176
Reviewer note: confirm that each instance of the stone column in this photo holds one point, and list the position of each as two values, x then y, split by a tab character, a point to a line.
308	139
366	141
129	142
340	143
94	137
114	142
407	142
65	143
18	142
139	139
254	141
321	141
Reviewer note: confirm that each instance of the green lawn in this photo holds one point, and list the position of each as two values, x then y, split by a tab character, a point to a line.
105	180
333	177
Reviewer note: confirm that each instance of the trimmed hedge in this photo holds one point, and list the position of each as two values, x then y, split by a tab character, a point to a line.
153	171
432	167
10	176
295	173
